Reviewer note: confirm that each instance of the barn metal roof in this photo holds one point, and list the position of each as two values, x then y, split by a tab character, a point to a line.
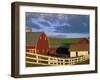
32	38
79	47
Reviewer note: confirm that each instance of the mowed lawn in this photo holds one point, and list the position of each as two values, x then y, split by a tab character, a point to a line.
61	41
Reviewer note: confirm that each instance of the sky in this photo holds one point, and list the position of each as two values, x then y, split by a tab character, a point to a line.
59	25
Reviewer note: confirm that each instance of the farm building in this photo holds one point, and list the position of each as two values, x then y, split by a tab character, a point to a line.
84	41
79	49
37	42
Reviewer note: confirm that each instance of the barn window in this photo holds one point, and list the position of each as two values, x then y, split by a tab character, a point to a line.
40	37
45	38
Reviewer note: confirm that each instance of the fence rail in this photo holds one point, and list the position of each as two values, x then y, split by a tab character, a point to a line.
34	58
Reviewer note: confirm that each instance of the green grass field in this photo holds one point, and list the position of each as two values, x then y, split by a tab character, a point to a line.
84	62
60	41
35	65
39	65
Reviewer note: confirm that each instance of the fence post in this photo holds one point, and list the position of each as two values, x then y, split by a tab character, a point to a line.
71	61
63	61
48	60
53	60
56	61
37	59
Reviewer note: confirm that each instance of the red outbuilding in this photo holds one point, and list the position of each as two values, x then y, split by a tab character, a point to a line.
37	42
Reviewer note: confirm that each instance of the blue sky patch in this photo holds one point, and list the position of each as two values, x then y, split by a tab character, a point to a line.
57	24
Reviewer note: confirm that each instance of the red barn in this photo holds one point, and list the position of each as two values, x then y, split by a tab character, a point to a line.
37	42
80	49
84	41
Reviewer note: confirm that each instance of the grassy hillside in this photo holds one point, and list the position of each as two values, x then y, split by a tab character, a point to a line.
58	41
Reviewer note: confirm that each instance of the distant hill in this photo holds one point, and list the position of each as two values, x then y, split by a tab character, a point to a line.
60	41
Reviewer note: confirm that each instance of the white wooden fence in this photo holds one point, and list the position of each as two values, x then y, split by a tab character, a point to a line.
34	58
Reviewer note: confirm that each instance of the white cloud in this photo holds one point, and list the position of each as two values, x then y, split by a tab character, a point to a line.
67	35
